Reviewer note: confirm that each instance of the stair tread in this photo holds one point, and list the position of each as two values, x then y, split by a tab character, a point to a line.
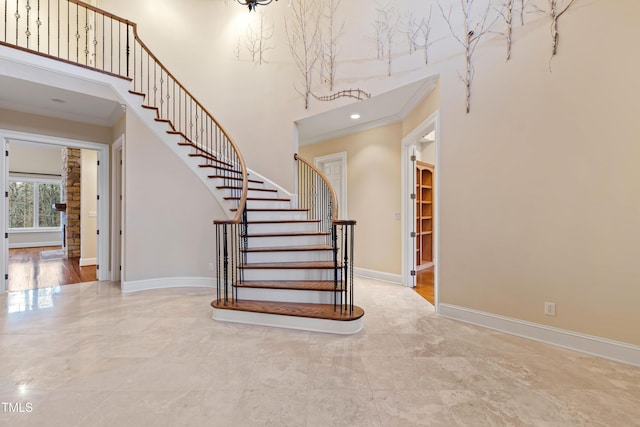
317	311
302	285
137	93
290	249
299	265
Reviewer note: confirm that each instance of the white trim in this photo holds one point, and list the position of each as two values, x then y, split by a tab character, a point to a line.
117	215
343	208
168	282
408	205
340	327
4	209
596	346
33	244
87	261
378	275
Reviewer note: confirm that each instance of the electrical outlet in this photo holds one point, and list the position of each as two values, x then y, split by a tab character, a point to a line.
210	266
397	216
550	308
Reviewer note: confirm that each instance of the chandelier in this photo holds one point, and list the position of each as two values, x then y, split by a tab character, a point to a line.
254	3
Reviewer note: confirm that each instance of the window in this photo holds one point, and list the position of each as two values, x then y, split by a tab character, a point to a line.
31	203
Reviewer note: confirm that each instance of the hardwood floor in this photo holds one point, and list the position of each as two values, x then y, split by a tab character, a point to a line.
424	284
28	269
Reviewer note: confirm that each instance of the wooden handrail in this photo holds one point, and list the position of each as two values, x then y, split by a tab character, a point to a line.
334	200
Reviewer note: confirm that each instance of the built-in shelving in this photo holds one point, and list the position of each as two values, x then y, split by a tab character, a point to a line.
424	215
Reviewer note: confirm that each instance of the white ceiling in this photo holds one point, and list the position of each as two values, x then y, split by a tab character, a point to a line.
389	107
35	98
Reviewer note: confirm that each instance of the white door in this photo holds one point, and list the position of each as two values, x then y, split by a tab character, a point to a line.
334	167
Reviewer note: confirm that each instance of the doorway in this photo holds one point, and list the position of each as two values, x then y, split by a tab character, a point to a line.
46	259
420	225
334	167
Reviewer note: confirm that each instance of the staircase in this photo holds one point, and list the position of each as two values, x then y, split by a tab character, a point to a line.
280	262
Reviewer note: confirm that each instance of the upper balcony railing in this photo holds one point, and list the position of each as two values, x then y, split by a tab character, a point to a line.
78	33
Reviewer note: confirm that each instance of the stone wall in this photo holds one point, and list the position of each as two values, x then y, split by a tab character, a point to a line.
71	196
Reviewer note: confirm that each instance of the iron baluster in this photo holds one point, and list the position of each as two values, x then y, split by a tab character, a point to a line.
127	29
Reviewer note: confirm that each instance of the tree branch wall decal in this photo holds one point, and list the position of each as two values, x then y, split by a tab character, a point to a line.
473	31
302	30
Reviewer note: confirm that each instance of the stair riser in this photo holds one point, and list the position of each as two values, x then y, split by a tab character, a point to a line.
250	194
276	215
219	182
287	295
275	227
267	242
297	256
268	204
287	274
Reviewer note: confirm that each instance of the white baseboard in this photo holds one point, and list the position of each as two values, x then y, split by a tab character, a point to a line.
168	282
33	245
87	261
378	275
596	346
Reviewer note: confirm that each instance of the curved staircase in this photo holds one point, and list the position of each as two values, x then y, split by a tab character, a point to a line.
280	262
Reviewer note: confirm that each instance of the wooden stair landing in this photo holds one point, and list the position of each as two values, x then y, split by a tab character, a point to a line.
315	311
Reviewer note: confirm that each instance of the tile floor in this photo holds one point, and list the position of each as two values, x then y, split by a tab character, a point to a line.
86	355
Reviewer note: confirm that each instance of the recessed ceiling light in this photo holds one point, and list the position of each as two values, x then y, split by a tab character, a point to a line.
355	116
61	101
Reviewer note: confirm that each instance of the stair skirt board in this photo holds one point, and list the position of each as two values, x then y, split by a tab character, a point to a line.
286	295
310	324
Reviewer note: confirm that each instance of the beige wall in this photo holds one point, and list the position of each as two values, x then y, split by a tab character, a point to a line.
31	123
373	189
422	111
540	184
35	159
88	205
169	212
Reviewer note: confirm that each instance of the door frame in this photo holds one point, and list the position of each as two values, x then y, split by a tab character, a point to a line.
408	204
342	158
117	208
103	223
